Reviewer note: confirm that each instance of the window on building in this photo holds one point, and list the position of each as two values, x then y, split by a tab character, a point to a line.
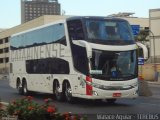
6	50
11	68
1	51
6	59
1	41
1	60
6	40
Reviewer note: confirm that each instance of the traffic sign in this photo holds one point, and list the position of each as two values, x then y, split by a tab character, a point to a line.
140	61
135	29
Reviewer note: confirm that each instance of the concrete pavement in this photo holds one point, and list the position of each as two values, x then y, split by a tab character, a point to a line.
154	83
4	76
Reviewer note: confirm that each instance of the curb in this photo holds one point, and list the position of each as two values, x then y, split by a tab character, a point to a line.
4	77
4	103
157	84
144	89
154	83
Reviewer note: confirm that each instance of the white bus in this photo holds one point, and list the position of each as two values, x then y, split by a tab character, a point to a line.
77	57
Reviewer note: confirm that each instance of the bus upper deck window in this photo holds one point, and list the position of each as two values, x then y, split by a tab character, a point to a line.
75	30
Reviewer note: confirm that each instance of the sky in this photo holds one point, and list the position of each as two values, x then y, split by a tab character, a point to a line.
10	9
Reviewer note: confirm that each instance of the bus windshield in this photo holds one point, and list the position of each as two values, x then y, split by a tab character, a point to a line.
113	65
108	31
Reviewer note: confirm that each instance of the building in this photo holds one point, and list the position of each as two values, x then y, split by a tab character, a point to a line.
4	37
154	25
1	29
141	22
150	71
31	9
121	14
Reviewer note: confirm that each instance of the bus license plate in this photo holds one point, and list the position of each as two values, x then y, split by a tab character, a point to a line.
116	94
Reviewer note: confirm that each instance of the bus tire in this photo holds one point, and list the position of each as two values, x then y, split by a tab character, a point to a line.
111	101
56	91
19	87
68	92
24	88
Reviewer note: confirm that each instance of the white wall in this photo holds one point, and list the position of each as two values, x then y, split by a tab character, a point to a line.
154	23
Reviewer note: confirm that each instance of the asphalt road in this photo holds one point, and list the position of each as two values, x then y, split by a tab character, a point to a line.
141	105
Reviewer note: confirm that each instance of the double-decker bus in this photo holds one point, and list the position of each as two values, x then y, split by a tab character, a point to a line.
77	57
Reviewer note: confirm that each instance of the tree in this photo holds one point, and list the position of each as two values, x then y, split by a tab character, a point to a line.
142	36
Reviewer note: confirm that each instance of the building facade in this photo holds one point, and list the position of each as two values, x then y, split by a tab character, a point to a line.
31	9
154	24
4	54
1	29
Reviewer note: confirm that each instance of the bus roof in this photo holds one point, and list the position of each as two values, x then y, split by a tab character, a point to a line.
39	27
94	17
68	19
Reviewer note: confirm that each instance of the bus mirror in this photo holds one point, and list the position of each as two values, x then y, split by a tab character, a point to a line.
144	49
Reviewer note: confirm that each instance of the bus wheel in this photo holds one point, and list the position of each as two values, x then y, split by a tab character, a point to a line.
111	101
68	92
19	88
24	88
57	92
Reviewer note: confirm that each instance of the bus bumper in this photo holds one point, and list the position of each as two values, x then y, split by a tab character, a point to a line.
110	94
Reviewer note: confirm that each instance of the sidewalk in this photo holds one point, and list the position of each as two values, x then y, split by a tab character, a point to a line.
153	82
4	76
4	103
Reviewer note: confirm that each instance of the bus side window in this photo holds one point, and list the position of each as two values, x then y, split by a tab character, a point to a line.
75	30
47	66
